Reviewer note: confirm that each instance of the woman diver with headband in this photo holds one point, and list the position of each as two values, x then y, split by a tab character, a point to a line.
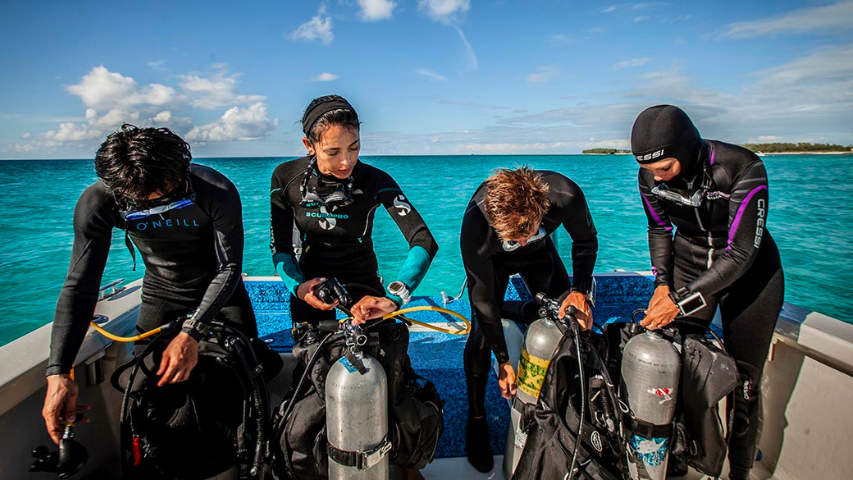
715	196
322	208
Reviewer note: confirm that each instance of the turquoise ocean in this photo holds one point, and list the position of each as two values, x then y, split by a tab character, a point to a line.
811	218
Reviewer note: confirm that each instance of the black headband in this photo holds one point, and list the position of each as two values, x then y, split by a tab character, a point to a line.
311	116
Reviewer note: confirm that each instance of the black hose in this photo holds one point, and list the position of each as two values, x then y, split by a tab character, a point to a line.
579	438
308	368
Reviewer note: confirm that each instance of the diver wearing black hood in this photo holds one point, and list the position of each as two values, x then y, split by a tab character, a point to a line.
715	196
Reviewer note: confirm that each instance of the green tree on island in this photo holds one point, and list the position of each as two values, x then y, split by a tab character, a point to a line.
795	147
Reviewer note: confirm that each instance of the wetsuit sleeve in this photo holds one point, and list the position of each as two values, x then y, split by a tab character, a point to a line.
660	235
748	207
79	295
281	236
422	245
226	210
578	222
482	288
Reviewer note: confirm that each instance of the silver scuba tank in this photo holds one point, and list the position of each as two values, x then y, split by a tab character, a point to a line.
651	369
357	420
540	342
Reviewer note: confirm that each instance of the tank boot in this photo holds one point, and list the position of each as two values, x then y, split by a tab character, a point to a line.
477	444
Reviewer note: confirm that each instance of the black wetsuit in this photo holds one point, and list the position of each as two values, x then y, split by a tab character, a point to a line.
310	241
193	257
723	250
489	265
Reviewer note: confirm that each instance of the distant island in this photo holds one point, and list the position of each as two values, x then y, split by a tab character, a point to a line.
803	147
606	151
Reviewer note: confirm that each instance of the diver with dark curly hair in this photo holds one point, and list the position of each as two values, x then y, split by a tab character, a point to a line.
186	221
707	204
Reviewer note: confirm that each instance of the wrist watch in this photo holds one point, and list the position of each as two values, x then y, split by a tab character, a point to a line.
587	289
688	303
401	290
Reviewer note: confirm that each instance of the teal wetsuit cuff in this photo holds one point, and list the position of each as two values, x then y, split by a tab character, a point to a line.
415	268
288	270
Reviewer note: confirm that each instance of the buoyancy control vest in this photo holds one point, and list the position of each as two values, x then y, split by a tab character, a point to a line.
215	420
415	414
552	425
708	374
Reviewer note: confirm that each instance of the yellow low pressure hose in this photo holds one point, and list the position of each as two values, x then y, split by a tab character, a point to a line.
116	338
401	313
398	313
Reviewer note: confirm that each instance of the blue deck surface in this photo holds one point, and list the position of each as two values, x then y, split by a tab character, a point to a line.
438	356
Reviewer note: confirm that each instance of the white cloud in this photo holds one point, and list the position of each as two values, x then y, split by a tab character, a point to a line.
634	62
546	74
470	57
103	90
642	18
157	64
325	77
26	136
373	10
318	28
73	132
431	74
838	16
215	91
558	39
249	123
445	11
609	9
112	99
765	139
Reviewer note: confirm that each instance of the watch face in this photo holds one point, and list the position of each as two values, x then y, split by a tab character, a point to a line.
396	287
692	304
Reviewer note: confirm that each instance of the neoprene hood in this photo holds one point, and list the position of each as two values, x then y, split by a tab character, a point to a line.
665	131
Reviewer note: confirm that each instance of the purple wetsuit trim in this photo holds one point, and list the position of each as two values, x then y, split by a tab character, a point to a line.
736	223
713	153
660	222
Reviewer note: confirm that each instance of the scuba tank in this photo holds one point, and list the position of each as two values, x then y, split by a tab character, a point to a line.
651	370
357	418
540	343
356	402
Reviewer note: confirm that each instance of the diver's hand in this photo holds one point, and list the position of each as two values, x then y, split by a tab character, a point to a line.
60	404
661	311
506	380
305	292
371	307
178	360
581	304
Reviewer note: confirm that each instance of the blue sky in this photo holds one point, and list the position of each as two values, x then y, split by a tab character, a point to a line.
427	76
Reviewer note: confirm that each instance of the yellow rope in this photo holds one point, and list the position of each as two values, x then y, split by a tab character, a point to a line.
116	338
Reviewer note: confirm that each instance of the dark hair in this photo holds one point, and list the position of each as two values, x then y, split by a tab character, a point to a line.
516	201
341	113
136	162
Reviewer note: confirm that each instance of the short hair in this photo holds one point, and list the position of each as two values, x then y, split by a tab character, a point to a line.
516	201
136	162
345	117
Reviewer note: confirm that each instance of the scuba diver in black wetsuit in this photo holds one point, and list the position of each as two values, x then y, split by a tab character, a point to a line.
186	221
322	212
506	230
715	196
322	209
